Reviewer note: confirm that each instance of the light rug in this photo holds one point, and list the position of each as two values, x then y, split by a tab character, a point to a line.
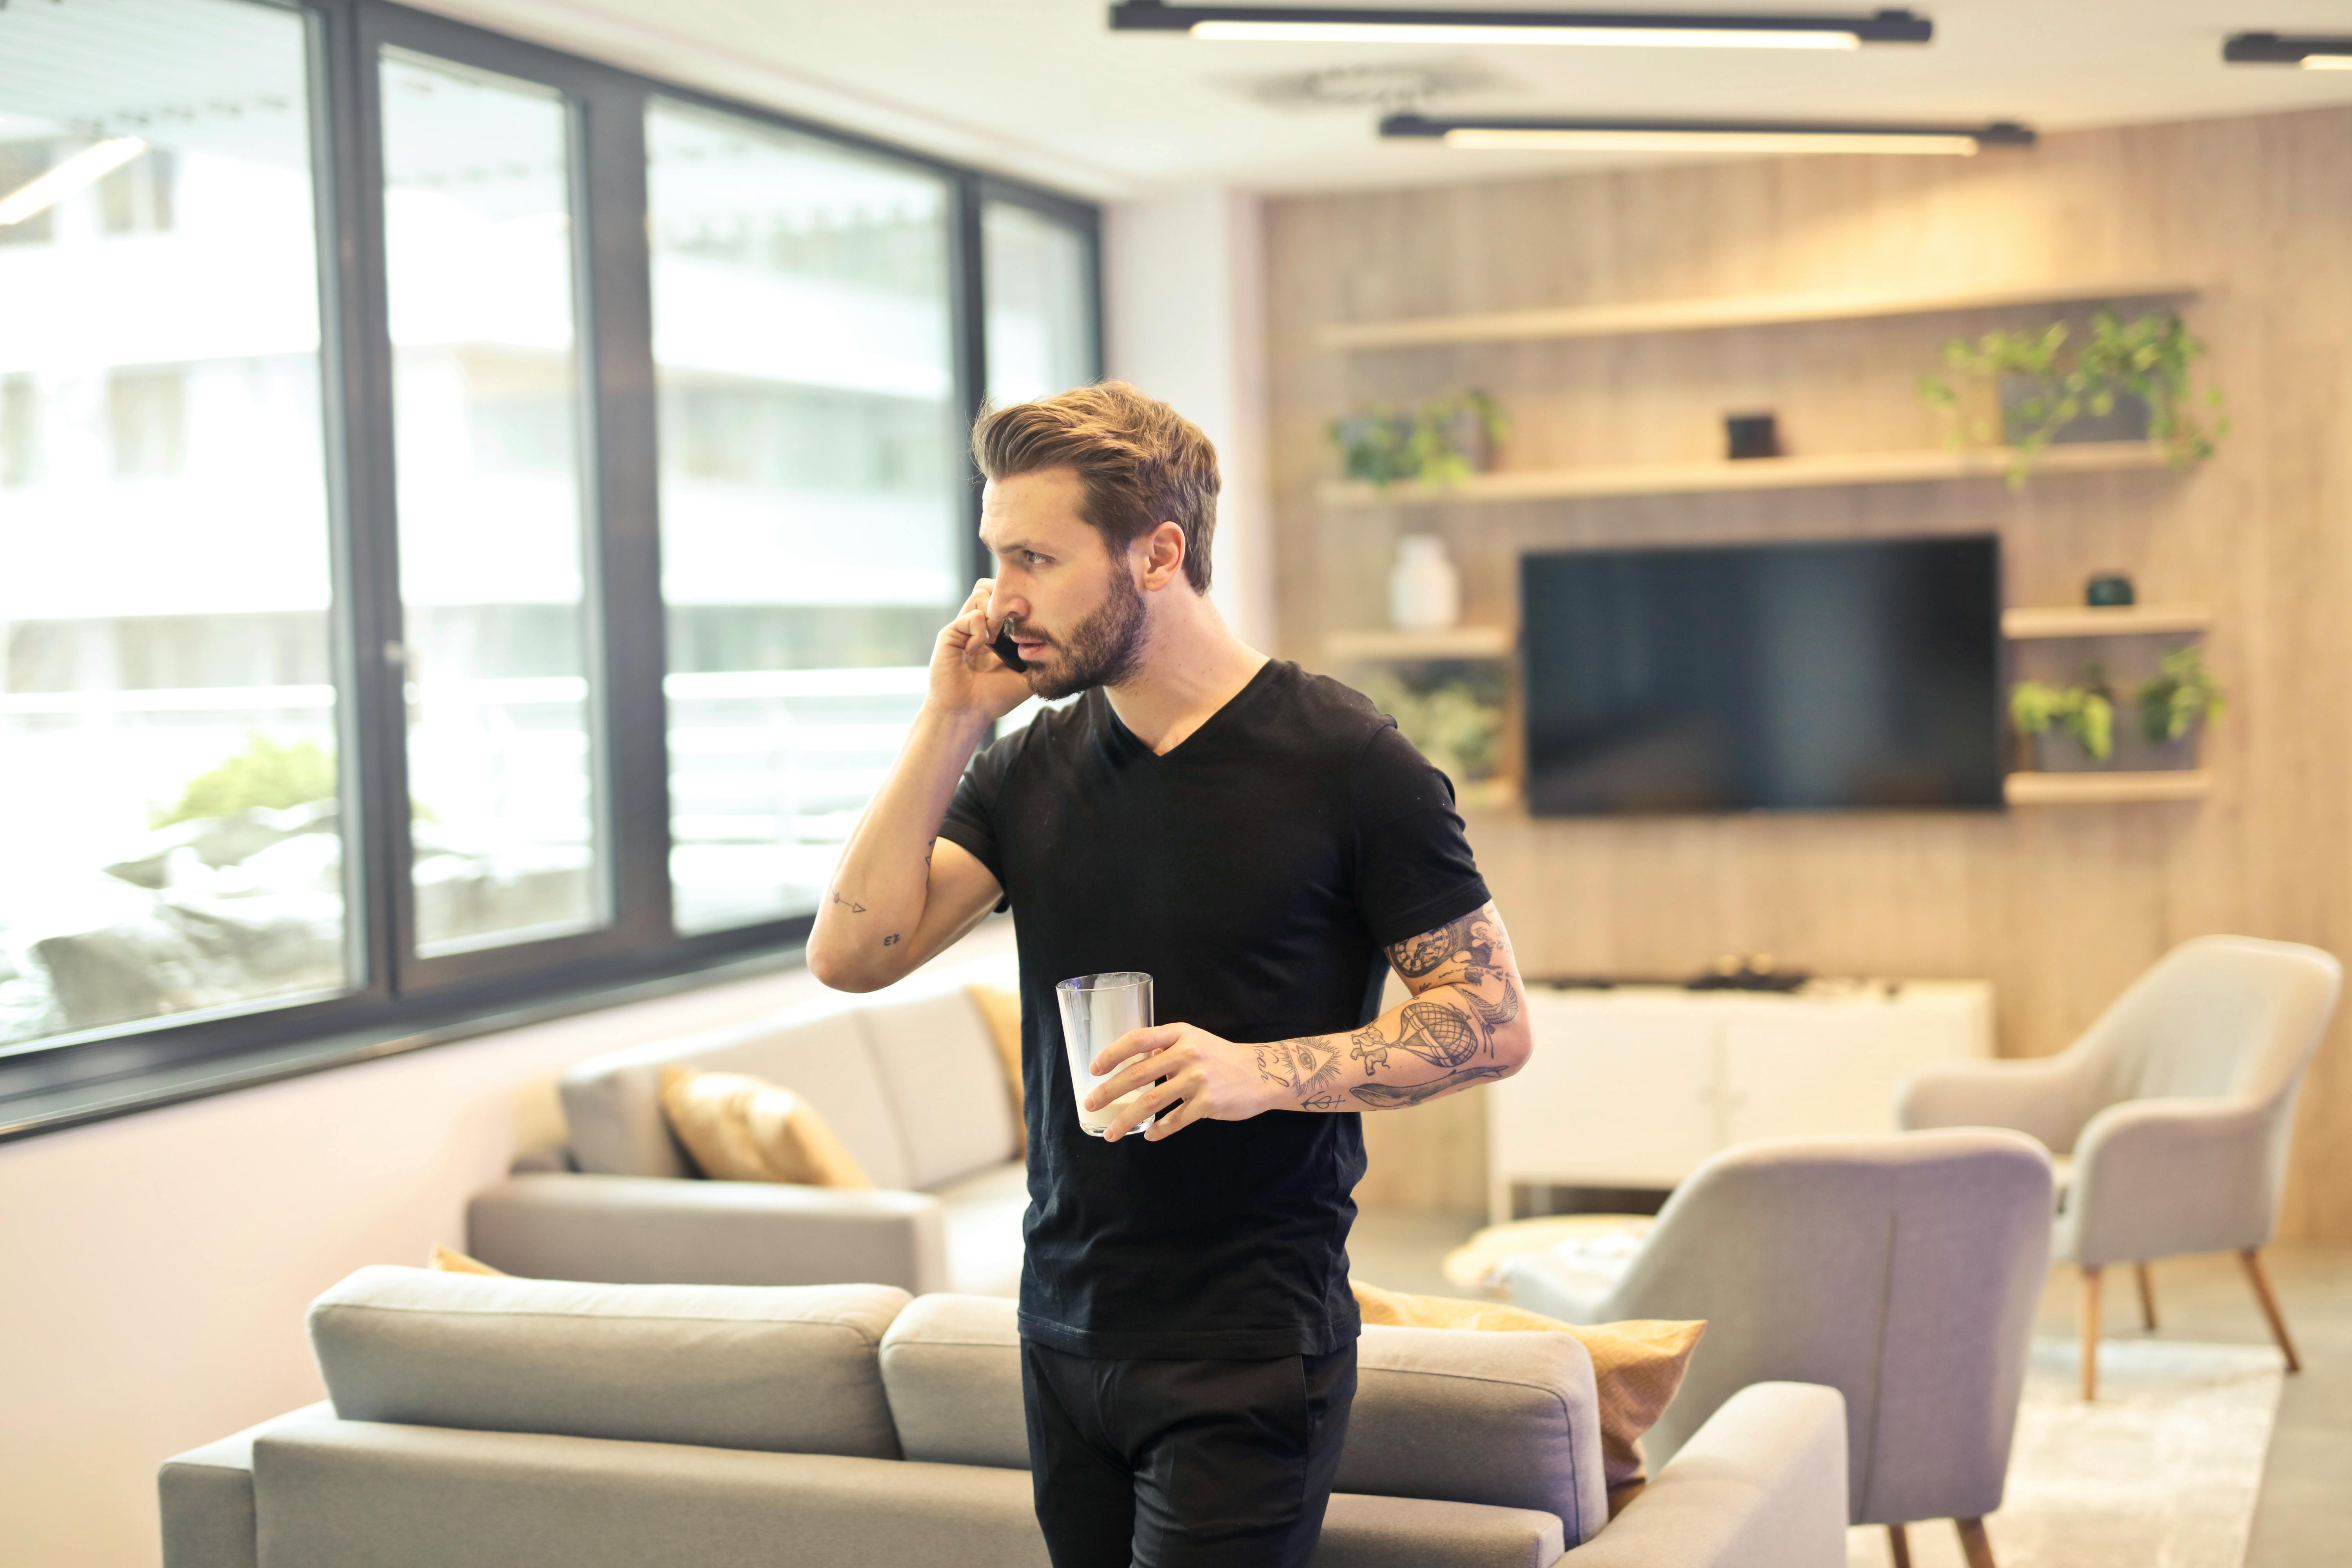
2161	1472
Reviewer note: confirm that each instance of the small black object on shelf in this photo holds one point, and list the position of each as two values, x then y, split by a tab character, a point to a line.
1751	435
1750	971
2109	589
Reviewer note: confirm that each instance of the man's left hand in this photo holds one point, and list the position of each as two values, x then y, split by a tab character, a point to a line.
1215	1079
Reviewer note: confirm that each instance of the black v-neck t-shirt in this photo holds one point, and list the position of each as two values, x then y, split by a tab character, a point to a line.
1255	872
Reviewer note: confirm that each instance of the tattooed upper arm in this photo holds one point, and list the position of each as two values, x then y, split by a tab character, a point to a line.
1449	954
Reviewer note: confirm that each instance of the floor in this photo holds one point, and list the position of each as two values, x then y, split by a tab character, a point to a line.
2304	1516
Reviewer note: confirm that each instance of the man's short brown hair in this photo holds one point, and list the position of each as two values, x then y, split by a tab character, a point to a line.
1139	463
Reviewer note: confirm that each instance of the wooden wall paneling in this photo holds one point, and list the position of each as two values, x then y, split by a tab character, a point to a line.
2060	907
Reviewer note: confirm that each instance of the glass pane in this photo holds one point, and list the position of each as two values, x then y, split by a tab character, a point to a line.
169	829
812	527
486	441
1040	337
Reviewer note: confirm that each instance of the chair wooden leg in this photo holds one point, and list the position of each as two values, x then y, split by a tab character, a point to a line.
2262	1283
2147	1298
2090	1333
1974	1545
1901	1543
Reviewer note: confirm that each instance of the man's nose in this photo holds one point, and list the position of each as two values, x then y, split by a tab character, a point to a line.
1003	605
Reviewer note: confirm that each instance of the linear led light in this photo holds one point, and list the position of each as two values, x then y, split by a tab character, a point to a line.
1704	136
1358	25
43	191
2271	50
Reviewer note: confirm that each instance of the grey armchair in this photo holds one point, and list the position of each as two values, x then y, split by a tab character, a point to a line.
1901	1270
2171	1114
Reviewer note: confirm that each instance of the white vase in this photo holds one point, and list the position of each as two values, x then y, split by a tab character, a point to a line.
1424	590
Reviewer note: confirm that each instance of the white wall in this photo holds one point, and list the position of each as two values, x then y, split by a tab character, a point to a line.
1184	320
154	1269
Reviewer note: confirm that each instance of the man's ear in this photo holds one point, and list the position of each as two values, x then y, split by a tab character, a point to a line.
1163	556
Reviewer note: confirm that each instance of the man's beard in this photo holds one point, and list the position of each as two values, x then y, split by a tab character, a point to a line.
1101	650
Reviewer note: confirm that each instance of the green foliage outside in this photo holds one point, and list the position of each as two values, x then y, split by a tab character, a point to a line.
1432	442
265	774
2149	359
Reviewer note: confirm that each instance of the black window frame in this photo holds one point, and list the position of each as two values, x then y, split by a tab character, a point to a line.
396	999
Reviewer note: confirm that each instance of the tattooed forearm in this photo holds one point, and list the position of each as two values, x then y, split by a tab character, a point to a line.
1392	1097
1309	1068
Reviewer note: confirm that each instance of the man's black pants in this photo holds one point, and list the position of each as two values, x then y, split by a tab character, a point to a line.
1184	1464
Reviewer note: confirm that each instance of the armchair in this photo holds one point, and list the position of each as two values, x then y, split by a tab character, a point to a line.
2170	1116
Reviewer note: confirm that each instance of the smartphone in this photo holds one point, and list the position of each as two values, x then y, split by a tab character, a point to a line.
1011	656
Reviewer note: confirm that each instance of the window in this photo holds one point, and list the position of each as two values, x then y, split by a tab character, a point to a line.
486	399
1040	302
811	497
170	826
486	546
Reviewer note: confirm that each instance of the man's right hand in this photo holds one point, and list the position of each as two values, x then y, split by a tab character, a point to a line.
967	677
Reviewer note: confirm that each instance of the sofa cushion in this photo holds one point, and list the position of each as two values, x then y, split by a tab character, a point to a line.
1506	1419
951	1366
982	1215
614	1102
788	1368
739	1128
945	1084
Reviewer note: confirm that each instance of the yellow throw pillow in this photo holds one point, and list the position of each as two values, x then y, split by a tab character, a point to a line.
449	1261
744	1129
1636	1365
1002	1008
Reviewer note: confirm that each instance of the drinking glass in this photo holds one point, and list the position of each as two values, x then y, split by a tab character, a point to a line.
1097	1009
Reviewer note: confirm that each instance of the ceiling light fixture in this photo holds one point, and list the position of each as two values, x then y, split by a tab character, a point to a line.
2272	49
43	191
1361	24
1488	134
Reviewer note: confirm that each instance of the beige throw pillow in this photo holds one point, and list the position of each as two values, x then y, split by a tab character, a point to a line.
1636	1366
744	1129
450	1261
1002	1009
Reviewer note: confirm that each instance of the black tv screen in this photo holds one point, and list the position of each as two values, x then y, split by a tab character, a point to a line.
1853	675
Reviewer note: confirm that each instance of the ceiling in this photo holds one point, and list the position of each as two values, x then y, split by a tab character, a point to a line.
1043	89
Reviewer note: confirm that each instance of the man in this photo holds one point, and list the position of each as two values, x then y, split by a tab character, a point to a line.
1254	839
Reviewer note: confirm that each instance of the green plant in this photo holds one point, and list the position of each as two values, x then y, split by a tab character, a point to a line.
2149	358
265	774
1430	442
2086	711
2181	695
1459	729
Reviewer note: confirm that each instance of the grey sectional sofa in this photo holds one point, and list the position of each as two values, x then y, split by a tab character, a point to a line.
486	1423
910	1079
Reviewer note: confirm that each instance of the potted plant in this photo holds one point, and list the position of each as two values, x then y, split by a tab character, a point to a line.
2125	381
2071	728
1439	441
2178	700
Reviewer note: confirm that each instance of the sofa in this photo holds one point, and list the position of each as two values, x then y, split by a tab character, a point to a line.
476	1422
911	1078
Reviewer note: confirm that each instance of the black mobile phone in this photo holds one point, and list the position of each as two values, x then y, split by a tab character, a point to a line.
1008	653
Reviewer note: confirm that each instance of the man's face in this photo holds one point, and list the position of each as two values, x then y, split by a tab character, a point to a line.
1074	614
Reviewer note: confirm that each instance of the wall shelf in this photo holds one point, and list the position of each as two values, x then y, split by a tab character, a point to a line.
1743	310
1753	474
2105	789
1457	642
2102	621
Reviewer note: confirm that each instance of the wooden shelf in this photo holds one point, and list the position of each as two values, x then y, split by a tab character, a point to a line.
1740	310
2102	621
1754	474
1458	642
2104	789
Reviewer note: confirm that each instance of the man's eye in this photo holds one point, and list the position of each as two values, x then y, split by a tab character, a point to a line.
1035	559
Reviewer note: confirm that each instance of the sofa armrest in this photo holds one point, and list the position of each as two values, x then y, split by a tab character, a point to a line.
662	1230
2155	1177
545	1157
1762	1485
2039	1097
205	1496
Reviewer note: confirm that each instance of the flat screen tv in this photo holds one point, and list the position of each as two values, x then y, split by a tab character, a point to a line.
1801	677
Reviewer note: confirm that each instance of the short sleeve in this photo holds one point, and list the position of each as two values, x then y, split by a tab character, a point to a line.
1414	871
970	820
